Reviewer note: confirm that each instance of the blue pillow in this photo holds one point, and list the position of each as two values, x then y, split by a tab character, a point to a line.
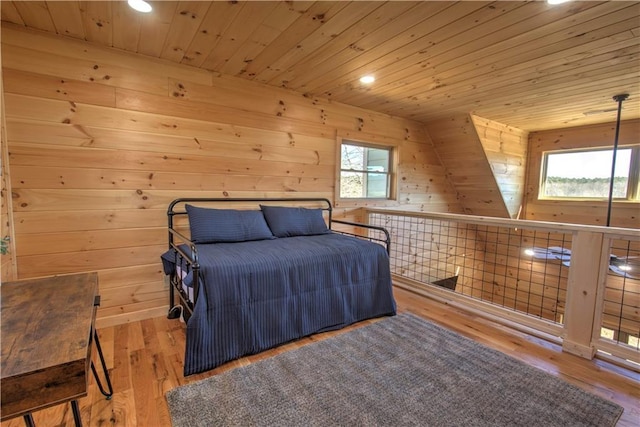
226	225
289	222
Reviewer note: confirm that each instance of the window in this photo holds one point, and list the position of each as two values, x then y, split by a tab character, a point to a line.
365	171
579	174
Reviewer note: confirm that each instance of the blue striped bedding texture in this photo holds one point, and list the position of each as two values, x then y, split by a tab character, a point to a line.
264	293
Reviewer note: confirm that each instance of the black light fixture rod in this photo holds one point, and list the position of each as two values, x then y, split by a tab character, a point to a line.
618	99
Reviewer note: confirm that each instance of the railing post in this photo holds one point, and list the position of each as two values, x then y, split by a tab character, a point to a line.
582	293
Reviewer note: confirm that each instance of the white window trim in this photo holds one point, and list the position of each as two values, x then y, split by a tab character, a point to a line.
393	169
633	186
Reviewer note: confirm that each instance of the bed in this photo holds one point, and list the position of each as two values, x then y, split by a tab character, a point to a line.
269	272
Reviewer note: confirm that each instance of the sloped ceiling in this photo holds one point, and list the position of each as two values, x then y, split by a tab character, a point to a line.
528	65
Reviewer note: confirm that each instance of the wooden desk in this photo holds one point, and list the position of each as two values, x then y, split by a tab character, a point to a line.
46	329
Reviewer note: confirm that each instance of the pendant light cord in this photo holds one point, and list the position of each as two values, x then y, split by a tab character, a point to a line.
618	99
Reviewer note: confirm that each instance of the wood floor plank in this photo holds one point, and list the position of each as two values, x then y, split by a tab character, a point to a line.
145	360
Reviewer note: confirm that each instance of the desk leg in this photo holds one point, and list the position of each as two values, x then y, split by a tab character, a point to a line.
76	413
28	421
109	393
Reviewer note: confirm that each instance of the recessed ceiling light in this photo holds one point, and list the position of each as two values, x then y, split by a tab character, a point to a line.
140	5
557	1
367	79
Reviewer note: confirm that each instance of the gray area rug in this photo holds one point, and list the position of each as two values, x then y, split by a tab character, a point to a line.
400	371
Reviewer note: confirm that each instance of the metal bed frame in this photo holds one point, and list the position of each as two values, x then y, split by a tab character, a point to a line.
177	239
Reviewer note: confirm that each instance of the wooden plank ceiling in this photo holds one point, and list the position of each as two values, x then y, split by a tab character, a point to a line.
529	65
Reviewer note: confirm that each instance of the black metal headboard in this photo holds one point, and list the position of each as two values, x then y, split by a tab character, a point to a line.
171	211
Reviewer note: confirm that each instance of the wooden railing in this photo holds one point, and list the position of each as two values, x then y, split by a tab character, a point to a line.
573	284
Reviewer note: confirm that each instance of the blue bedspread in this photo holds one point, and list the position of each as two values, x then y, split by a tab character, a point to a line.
261	294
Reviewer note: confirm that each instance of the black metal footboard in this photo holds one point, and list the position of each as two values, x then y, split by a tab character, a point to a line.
186	264
380	235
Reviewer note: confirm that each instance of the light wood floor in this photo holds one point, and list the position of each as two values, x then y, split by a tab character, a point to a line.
145	361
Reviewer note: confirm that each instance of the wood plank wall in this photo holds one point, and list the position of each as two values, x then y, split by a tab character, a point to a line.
623	214
7	260
506	151
467	165
100	142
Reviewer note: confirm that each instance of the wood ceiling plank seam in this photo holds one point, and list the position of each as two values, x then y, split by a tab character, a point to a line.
550	123
618	47
478	60
538	54
283	16
307	24
126	27
626	115
250	16
374	57
347	75
187	18
410	89
442	20
561	90
487	89
331	28
548	120
324	25
521	65
219	16
155	27
450	23
515	113
572	107
260	37
349	41
274	24
454	49
565	80
391	38
10	13
67	18
35	14
562	123
97	21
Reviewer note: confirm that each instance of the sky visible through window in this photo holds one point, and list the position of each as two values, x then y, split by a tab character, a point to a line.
587	174
591	164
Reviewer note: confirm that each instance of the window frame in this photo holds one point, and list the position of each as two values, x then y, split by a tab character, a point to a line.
392	148
633	185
